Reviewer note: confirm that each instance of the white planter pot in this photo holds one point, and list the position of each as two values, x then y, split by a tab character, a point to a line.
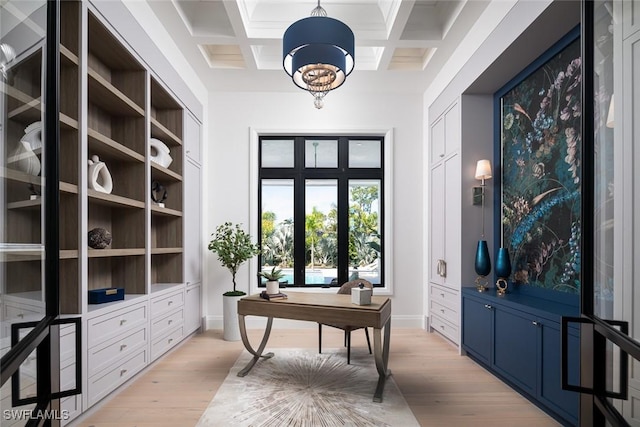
231	328
273	287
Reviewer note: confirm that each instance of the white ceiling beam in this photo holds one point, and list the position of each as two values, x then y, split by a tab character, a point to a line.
399	21
238	25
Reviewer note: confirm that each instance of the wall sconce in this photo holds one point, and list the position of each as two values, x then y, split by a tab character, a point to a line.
483	171
482	260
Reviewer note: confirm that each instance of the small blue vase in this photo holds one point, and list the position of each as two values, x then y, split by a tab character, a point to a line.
483	262
503	263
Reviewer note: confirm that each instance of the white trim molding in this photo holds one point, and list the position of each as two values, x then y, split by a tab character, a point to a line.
254	138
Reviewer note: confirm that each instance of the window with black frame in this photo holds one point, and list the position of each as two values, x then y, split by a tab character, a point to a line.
321	209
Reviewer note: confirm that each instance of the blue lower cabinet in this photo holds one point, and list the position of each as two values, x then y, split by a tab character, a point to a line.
516	339
514	348
476	328
565	403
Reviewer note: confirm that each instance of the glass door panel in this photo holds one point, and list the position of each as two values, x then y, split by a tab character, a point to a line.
321	233
277	228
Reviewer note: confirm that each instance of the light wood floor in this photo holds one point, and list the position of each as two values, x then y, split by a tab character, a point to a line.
441	387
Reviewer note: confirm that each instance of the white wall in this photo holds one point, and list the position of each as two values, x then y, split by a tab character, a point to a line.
227	176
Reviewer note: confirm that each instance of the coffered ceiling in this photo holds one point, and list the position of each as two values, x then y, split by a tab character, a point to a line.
237	44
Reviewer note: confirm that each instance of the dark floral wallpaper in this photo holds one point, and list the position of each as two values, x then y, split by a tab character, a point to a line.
541	140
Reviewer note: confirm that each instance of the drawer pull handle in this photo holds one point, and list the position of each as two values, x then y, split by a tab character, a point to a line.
442	294
123	346
170	340
170	320
488	307
21	315
441	268
442	327
170	302
123	321
122	372
534	323
442	310
441	155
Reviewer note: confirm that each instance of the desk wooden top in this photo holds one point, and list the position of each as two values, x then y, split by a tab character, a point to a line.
319	307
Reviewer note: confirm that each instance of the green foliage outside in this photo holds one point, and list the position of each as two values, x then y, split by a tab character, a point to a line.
321	239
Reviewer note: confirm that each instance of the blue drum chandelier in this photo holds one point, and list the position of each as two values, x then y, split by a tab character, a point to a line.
318	53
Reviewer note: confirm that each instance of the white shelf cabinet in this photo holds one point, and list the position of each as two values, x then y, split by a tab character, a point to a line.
445	225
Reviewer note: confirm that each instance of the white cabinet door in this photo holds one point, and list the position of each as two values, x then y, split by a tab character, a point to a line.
192	138
437	140
192	224
192	309
452	130
436	229
452	221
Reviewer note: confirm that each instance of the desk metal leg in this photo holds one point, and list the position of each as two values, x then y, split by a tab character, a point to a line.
381	355
256	354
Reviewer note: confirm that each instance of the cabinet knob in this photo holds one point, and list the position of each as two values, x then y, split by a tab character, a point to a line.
123	321
442	294
122	372
123	346
488	307
170	320
441	155
534	323
170	302
442	310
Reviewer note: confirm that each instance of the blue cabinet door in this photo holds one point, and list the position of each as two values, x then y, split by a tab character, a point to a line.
477	335
565	403
515	349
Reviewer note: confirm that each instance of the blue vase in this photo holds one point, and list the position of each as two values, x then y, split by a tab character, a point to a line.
483	262
503	263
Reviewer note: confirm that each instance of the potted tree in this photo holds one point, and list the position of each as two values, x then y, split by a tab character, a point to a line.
233	247
273	279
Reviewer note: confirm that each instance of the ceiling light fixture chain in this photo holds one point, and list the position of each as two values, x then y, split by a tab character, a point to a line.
318	53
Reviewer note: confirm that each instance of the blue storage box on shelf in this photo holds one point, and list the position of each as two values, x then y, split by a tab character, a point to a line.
100	296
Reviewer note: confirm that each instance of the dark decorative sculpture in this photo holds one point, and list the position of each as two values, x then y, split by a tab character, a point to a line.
482	265
503	270
99	238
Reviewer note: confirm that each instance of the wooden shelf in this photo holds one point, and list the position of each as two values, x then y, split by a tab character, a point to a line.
67	58
16	94
158	171
113	200
27	113
102	253
68	254
67	122
68	188
110	98
162	251
18	176
103	145
25	204
157	210
158	130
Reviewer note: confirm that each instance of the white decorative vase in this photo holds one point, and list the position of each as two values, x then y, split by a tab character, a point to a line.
99	176
231	327
273	287
159	153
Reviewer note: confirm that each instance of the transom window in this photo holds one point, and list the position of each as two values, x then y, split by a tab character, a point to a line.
321	209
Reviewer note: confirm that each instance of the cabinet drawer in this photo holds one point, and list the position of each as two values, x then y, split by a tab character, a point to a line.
102	384
444	296
165	303
22	312
106	355
445	312
166	322
107	326
164	343
440	325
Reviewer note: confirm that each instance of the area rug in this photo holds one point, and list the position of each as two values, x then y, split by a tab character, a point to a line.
299	387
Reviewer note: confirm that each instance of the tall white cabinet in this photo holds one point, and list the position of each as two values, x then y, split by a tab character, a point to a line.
445	224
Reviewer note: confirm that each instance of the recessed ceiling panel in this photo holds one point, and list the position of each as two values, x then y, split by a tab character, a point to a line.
223	56
205	18
409	58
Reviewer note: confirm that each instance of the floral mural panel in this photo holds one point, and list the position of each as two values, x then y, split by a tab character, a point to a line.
540	142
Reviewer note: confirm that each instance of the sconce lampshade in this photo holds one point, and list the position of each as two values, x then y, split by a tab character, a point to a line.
483	169
318	53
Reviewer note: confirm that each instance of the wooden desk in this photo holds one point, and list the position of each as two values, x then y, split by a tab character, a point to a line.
322	308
